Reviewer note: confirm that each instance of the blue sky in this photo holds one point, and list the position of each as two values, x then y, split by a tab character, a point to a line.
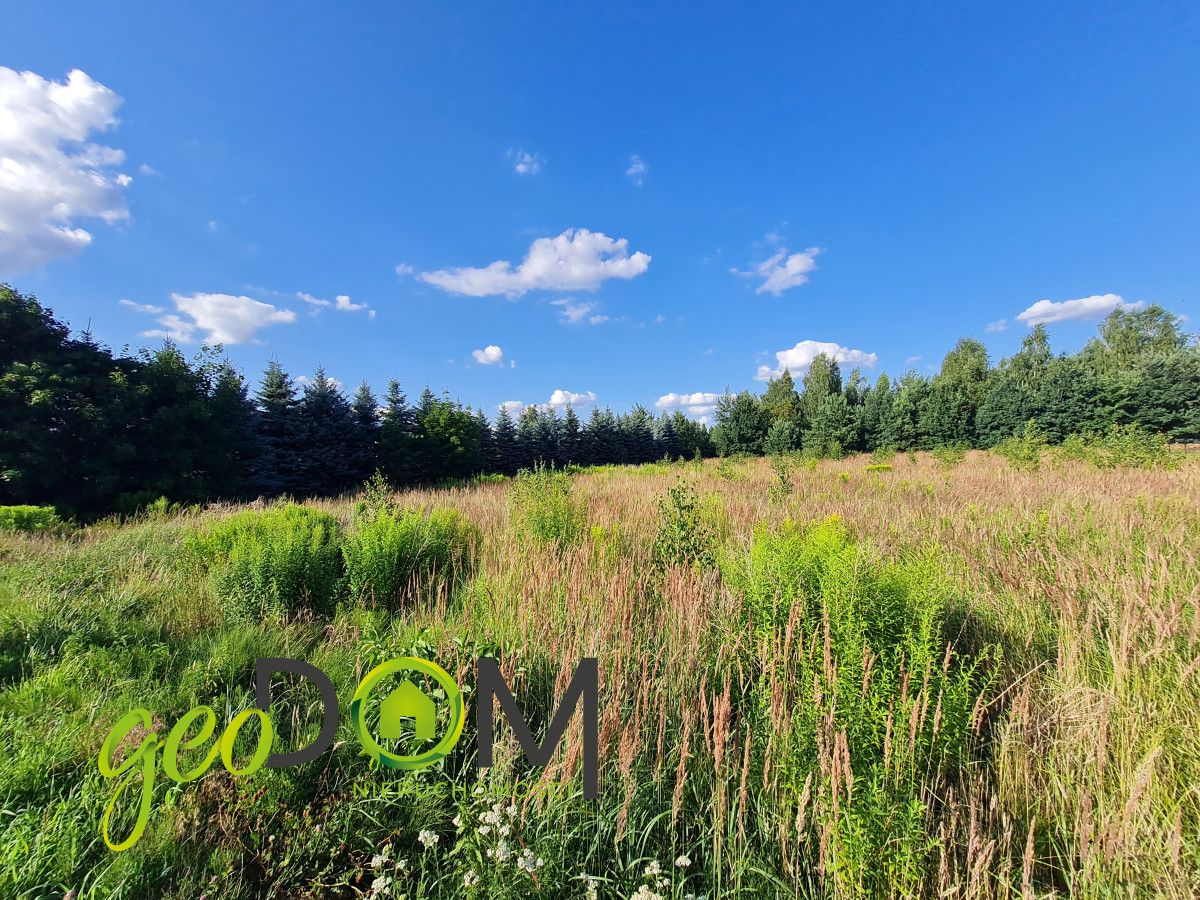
701	188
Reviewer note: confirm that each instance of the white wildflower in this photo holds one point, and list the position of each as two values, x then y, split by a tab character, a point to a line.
529	861
381	885
653	869
682	861
644	893
470	879
427	838
457	823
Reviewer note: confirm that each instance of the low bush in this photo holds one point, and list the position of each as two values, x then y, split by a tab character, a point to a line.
950	456
879	467
543	507
273	562
392	554
1131	447
1024	449
27	518
686	536
872	696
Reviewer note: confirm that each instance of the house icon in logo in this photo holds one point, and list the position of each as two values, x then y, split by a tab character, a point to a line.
407	702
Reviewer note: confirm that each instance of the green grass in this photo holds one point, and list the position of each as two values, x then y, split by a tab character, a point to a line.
969	681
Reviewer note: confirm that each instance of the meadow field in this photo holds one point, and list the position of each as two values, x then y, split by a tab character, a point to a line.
937	675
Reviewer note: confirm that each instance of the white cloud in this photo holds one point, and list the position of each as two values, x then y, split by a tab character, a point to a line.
638	170
525	163
491	355
514	407
148	170
799	358
1095	307
573	312
577	259
997	326
214	226
698	405
913	359
561	398
148	308
305	381
124	180
341	303
219	319
404	269
659	319
51	176
700	398
783	270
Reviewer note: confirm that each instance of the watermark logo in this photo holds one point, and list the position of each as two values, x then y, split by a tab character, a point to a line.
407	701
134	737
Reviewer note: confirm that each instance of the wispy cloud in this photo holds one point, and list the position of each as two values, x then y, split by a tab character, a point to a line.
638	170
1096	306
997	326
782	270
524	162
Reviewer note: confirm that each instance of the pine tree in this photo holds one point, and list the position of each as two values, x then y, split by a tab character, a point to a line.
330	437
365	455
781	400
397	437
570	445
741	424
279	468
505	452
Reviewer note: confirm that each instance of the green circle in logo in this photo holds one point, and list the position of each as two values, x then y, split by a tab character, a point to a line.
453	696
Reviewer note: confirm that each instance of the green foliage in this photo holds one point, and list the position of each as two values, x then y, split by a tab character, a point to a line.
1024	450
742	424
879	467
782	488
782	437
873	660
686	534
27	518
949	456
273	562
1120	447
543	507
392	554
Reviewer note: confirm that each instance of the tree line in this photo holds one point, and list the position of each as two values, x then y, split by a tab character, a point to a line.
91	432
1141	368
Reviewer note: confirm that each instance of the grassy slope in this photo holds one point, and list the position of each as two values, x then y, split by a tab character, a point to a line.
1075	589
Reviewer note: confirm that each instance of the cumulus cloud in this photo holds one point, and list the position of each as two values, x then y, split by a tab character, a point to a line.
699	404
799	358
560	399
215	318
1095	307
524	162
404	269
51	176
576	260
638	170
491	355
997	326
514	407
305	381
782	270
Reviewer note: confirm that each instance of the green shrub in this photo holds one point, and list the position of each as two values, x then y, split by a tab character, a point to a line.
686	536
27	518
883	455
950	456
389	554
1131	447
272	562
1024	450
879	467
782	488
544	508
872	663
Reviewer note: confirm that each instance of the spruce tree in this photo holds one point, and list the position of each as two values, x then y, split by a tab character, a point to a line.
281	439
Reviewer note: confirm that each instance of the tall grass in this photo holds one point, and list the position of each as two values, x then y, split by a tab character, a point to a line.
273	562
975	681
391	555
